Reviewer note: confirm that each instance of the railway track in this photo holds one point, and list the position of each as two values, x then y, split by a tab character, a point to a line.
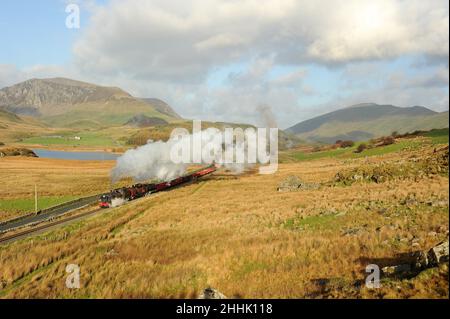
37	229
49	213
44	219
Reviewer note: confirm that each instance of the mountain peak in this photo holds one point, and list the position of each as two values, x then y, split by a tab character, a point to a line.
44	95
367	104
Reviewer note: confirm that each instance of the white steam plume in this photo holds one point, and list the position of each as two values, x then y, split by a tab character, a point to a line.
117	202
153	160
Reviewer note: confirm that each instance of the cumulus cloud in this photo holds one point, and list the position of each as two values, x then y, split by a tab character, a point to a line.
399	88
182	40
438	78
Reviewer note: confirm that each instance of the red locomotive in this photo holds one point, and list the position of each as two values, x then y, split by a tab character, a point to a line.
140	190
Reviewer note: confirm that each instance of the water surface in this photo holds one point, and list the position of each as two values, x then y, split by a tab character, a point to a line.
87	156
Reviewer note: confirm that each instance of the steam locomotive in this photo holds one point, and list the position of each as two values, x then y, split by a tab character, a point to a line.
139	190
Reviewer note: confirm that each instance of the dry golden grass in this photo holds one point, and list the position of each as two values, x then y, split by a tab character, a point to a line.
12	130
239	235
53	177
18	175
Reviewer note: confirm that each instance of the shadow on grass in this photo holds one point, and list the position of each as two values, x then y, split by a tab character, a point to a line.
332	287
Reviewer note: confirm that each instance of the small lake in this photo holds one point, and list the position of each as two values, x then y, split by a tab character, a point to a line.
87	156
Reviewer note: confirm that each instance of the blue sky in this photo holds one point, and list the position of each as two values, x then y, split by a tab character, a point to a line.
35	33
218	60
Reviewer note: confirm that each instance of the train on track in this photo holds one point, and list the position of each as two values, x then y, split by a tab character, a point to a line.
119	195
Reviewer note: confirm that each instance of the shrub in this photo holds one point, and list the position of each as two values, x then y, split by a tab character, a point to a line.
388	140
317	148
361	147
345	144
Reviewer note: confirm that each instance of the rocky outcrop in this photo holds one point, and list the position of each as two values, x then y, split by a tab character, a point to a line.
35	94
438	254
211	293
422	260
294	183
15	151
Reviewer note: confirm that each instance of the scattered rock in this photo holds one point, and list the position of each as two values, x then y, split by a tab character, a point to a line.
211	293
351	231
394	270
442	229
428	164
422	260
409	200
111	252
438	254
293	183
438	203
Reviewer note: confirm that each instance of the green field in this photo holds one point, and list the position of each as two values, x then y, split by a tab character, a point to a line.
100	114
87	139
438	136
27	204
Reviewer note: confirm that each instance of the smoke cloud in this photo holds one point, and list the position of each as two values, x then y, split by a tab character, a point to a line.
155	160
266	114
115	202
150	161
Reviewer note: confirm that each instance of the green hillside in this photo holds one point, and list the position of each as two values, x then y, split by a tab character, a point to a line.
366	121
98	114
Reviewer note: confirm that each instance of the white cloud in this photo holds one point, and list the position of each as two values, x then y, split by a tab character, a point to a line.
361	30
182	40
10	74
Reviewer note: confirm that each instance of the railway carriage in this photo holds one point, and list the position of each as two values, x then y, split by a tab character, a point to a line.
140	190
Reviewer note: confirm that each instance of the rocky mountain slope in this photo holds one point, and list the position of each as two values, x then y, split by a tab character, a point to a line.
68	103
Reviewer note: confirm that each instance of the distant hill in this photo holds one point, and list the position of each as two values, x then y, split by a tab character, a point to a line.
8	116
13	127
364	121
69	103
